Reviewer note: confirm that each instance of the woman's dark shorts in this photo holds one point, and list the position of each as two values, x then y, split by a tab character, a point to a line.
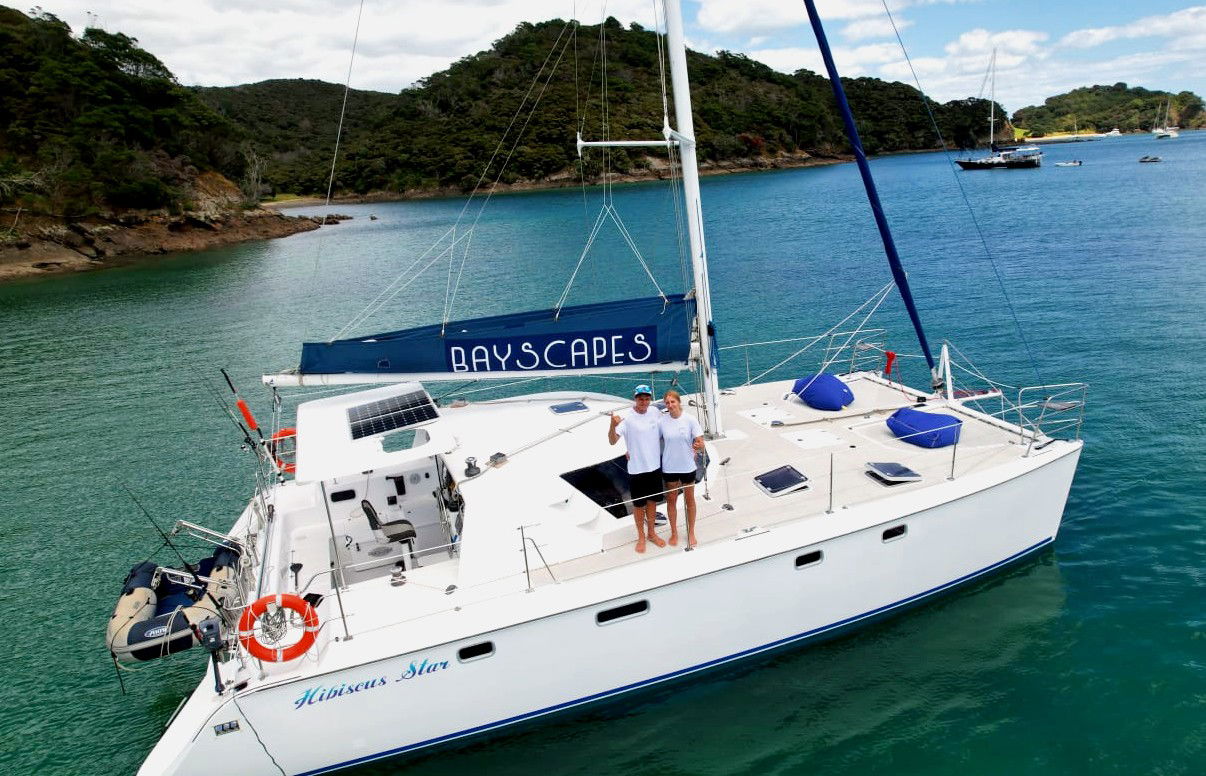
674	478
645	487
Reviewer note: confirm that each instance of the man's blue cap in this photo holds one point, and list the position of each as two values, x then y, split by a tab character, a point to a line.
642	388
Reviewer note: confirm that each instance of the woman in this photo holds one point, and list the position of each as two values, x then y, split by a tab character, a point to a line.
682	439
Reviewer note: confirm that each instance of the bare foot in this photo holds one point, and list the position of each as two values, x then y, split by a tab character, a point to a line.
691	540
673	540
657	540
640	544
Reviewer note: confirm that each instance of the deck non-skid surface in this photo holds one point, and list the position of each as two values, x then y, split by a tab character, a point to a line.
766	427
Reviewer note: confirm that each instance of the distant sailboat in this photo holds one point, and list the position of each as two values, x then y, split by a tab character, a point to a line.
1002	157
1163	131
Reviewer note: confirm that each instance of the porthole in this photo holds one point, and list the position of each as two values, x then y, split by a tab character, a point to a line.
895	532
809	559
475	651
342	495
622	612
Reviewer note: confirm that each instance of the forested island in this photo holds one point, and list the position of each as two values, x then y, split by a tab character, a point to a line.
1102	108
103	153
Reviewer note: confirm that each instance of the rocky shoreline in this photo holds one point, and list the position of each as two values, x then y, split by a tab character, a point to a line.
35	244
655	169
55	246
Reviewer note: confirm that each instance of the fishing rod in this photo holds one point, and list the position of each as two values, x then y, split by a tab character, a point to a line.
166	539
265	447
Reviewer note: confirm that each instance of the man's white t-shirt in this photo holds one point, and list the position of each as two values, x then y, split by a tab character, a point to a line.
643	439
678	457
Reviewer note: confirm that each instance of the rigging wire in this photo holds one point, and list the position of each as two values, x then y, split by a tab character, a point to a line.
963	192
608	209
878	298
347	86
393	288
451	300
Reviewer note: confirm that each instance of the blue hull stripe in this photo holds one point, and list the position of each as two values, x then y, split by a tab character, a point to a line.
699	667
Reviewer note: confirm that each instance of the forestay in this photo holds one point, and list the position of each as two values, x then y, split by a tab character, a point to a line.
650	334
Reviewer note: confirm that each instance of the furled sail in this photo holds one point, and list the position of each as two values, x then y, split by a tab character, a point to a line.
651	334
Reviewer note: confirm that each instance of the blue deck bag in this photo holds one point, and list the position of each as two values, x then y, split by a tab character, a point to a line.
925	429
823	392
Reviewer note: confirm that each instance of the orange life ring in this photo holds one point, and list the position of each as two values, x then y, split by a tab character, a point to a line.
274	444
277	654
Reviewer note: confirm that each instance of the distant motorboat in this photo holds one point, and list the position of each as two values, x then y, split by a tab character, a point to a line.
1113	133
1146	159
1074	163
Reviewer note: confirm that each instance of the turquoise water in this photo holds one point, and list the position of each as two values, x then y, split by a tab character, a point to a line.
1092	659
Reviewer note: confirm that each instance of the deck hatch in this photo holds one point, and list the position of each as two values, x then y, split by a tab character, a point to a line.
785	479
891	473
402	411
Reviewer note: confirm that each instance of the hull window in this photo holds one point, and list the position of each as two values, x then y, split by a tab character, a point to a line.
895	532
624	612
342	495
809	559
475	651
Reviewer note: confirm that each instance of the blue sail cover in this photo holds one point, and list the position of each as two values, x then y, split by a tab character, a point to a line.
586	338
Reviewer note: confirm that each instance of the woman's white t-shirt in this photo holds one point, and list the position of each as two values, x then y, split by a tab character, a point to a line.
640	432
678	456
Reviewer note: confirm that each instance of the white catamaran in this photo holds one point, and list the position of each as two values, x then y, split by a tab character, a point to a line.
414	572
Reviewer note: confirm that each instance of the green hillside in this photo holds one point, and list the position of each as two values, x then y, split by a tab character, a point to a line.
1102	108
95	122
441	132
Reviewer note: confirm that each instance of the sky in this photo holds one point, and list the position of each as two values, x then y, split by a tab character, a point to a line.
1044	47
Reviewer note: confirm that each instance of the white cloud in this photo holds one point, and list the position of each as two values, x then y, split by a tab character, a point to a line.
761	16
981	42
1187	23
220	43
873	28
851	61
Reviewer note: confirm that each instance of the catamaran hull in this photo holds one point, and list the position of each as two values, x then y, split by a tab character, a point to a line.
427	697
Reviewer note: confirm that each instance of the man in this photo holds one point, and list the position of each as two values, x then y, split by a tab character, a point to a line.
640	429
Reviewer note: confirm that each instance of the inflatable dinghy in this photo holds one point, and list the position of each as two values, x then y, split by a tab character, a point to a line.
157	616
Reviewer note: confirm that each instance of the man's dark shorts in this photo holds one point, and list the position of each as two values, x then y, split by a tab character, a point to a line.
645	487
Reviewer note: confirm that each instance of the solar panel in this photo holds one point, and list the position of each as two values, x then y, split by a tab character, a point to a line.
403	411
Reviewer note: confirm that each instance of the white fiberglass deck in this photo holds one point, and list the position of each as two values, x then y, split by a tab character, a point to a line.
765	428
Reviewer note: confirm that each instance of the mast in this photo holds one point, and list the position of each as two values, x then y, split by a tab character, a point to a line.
864	169
992	102
685	135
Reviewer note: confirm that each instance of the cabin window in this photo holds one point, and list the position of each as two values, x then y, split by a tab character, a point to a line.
809	559
622	612
895	532
404	440
475	651
342	495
